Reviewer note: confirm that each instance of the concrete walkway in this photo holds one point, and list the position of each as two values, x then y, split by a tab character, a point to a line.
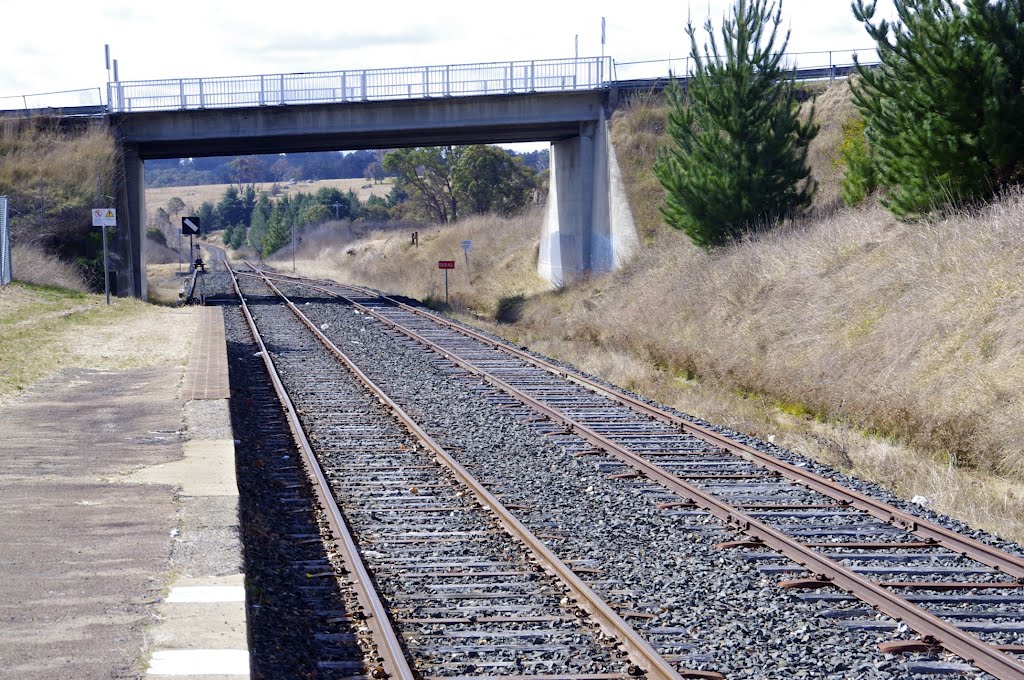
118	555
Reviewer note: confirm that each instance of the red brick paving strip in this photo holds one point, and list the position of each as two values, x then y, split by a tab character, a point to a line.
207	373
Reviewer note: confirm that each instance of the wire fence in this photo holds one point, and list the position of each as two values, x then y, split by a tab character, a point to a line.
85	98
820	65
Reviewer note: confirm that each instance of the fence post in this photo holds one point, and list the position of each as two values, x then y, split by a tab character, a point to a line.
831	68
426	81
344	86
263	92
447	82
533	80
181	94
363	85
280	83
202	95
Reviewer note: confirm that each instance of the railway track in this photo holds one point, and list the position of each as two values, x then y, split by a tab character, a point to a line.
449	582
826	542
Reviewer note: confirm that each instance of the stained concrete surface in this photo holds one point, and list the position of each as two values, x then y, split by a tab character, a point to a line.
83	559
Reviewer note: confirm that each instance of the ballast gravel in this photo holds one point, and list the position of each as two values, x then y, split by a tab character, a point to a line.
660	569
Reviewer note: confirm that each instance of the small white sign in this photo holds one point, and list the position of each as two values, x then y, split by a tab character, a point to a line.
466	245
104	217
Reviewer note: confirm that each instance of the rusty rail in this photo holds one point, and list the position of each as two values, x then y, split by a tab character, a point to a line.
646	659
985	656
389	647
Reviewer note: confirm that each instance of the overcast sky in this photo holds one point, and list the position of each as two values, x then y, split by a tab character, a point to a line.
58	45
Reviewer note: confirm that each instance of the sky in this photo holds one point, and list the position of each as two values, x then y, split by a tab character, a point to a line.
59	44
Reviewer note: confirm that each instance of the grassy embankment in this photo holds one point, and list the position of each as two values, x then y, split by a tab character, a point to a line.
41	163
48	320
890	350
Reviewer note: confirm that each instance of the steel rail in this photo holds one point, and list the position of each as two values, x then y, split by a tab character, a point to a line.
640	652
389	647
1012	565
955	640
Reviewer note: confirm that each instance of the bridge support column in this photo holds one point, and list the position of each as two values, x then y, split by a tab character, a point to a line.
131	226
588	226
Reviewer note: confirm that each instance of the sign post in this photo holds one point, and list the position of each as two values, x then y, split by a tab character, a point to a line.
467	246
446	265
190	227
103	218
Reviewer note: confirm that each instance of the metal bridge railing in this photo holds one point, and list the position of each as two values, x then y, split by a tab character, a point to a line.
821	65
420	82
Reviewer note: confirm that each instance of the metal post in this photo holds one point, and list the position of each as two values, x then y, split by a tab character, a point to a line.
106	266
533	82
202	95
363	84
293	247
42	206
426	81
447	83
5	244
281	99
344	86
445	287
263	94
181	91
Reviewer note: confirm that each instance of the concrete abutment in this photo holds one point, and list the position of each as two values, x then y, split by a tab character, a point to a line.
588	227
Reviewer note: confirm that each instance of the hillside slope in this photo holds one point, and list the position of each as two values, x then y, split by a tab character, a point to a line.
889	349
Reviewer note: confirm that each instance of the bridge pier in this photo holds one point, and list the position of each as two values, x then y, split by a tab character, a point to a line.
130	244
588	227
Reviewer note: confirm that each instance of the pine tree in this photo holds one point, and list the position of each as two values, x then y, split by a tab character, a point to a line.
259	223
739	161
944	108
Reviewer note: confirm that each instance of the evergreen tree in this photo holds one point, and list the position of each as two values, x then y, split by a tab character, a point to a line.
259	224
944	109
279	227
739	160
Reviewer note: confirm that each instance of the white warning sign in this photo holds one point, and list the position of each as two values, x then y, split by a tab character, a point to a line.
104	217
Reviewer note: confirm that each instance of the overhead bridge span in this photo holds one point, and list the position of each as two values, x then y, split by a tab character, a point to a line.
588	226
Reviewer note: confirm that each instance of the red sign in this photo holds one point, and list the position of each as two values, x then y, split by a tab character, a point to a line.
446	264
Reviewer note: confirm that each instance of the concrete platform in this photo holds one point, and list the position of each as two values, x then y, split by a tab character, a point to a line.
119	548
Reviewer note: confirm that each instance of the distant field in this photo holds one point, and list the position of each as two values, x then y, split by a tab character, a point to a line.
194	196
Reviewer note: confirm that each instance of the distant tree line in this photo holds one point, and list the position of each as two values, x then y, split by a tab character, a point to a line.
429	184
281	168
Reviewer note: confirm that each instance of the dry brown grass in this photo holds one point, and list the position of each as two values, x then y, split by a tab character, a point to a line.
888	349
66	161
833	107
31	264
502	262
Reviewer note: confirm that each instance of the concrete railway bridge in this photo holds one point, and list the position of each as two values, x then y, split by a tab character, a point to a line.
567	102
588	226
